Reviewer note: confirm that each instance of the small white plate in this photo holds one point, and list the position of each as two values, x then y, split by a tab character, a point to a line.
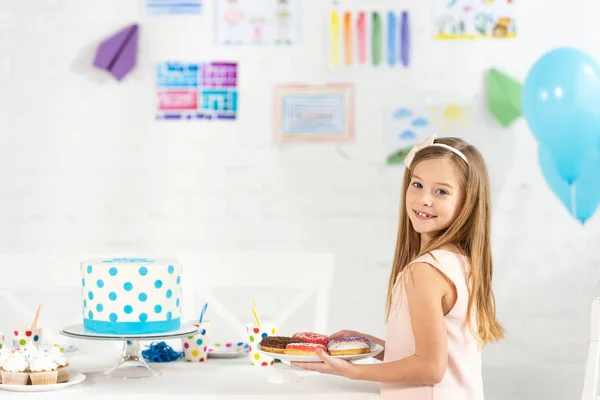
78	378
228	349
64	348
375	349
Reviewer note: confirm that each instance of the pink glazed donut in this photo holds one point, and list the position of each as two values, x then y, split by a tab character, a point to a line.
310	337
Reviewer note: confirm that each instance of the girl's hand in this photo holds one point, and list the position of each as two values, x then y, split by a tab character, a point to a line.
330	365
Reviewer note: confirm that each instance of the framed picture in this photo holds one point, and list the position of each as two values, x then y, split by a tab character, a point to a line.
314	113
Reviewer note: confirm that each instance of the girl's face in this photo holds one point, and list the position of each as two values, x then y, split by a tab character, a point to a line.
434	196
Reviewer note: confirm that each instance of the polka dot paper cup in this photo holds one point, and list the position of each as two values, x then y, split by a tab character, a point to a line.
24	336
195	347
255	335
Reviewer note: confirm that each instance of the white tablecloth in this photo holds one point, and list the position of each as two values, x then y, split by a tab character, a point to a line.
215	379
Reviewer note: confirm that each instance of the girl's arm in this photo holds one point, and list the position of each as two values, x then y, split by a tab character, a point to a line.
425	288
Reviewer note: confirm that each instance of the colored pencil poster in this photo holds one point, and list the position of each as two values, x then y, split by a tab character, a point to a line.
196	90
407	126
258	22
174	7
475	19
360	38
314	113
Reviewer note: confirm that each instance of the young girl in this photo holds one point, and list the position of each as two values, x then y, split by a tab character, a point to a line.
440	306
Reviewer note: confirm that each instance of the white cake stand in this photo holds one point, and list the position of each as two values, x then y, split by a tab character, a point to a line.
131	363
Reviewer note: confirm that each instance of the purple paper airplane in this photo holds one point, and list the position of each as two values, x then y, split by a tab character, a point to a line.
118	54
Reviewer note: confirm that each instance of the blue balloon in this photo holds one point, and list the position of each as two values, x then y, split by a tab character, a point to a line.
561	103
585	190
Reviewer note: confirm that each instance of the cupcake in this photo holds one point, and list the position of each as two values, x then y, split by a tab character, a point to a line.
64	369
14	369
4	353
43	371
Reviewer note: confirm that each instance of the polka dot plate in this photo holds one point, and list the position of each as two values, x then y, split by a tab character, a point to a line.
228	349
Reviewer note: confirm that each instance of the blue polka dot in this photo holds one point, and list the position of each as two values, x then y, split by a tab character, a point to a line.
84	302
91	315
128	309
169	294
143	297
143	271
113	271
112	296
240	343
178	280
264	335
113	317
100	283
35	338
143	317
203	332
157	308
169	316
83	282
128	286
171	269
177	303
90	295
158	284
89	269
199	342
99	307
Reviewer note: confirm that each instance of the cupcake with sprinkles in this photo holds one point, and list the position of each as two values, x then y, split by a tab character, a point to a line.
15	369
349	346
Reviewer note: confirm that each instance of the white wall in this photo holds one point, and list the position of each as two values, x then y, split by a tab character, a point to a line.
85	168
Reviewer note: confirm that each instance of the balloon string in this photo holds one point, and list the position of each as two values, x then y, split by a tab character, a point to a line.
573	200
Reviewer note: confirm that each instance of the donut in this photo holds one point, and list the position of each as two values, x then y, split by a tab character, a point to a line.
349	345
276	344
304	349
310	337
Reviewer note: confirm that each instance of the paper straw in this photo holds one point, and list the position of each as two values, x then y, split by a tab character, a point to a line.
203	311
256	320
37	315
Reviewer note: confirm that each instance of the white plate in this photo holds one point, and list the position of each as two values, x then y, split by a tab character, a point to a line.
64	348
78	378
228	349
375	349
77	331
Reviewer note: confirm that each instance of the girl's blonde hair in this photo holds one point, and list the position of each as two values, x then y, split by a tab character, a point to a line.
470	232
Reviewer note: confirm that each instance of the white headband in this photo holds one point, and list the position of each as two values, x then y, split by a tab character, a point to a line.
429	141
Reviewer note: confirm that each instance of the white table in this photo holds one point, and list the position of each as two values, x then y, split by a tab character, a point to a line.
215	379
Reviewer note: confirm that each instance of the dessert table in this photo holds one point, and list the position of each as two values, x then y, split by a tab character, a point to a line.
215	379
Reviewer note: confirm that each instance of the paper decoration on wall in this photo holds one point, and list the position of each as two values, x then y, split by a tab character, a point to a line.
407	126
314	112
258	22
118	54
504	97
197	90
170	7
369	38
475	19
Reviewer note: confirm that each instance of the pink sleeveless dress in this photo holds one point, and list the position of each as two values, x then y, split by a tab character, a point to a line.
463	380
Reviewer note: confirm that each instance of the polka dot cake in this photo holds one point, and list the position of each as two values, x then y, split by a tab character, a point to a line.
131	295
